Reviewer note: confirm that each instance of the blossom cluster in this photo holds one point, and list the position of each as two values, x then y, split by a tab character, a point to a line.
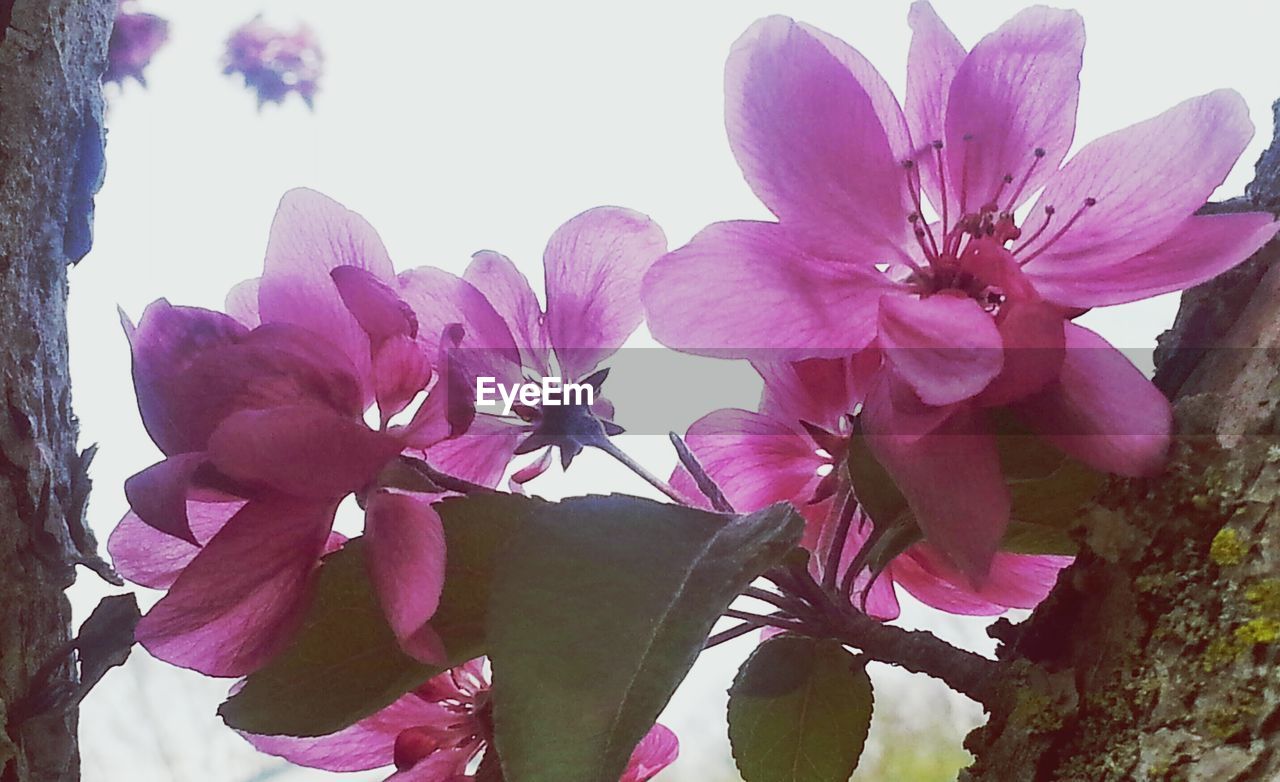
906	302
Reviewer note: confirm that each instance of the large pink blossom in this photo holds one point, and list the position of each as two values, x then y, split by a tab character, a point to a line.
593	266
260	414
792	450
971	307
434	733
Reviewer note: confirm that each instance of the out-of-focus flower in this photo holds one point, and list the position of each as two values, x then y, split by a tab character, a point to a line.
793	450
260	414
593	266
971	310
434	733
135	38
273	62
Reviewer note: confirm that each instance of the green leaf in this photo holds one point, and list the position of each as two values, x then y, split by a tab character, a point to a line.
1024	538
345	663
799	711
872	484
600	606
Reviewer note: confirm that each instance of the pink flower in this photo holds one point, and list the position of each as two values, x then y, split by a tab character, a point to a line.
260	415
593	266
135	38
275	63
434	733
973	309
791	451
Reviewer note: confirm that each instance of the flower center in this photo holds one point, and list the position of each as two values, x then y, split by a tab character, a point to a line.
971	254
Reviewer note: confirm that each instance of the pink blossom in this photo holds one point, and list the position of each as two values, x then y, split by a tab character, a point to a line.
593	266
972	309
135	38
273	62
792	450
260	415
434	733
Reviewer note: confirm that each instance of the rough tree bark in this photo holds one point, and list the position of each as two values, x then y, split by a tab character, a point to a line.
52	54
1155	656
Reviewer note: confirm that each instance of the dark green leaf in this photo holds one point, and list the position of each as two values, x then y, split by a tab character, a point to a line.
872	484
600	605
799	711
345	663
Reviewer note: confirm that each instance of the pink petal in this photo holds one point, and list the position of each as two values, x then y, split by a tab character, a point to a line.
368	744
242	302
166	340
1200	248
400	371
507	289
446	765
1103	410
951	478
1146	179
947	348
811	144
1016	91
237	603
482	454
374	304
932	62
301	450
771	300
1015	581
594	264
405	554
310	236
158	494
530	471
1034	338
755	460
153	559
815	390
657	750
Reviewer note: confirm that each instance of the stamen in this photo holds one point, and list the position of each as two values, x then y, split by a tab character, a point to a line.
942	186
964	174
1088	202
913	187
1005	181
1038	156
1048	217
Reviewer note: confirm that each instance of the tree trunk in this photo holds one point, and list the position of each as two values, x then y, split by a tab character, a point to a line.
1155	656
52	54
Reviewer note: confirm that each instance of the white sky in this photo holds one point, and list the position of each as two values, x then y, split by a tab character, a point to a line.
465	126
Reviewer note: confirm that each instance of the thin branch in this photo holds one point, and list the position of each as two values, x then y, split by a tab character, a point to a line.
730	634
789	604
843	507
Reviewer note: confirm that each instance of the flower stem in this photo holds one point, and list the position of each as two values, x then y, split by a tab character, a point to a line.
608	447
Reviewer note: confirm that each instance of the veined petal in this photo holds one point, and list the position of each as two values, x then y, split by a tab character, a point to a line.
154	559
812	145
594	265
400	370
405	554
1015	581
373	303
657	750
1014	93
158	494
508	290
368	744
1144	180
947	348
310	236
951	478
1199	249
1103	410
932	62
1034	339
301	450
815	390
755	459
771	300
242	302
482	454
238	602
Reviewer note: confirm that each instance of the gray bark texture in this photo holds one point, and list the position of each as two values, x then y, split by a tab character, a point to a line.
1155	656
52	54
